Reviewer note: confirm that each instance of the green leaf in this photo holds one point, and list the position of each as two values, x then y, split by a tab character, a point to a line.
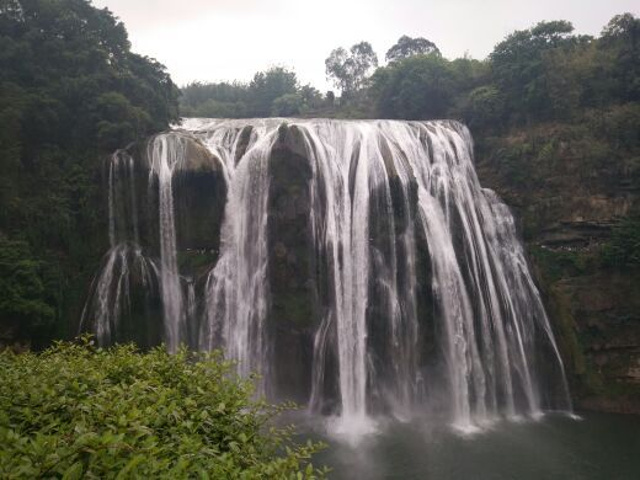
74	472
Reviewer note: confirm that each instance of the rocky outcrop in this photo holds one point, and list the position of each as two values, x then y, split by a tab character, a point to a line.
199	193
294	314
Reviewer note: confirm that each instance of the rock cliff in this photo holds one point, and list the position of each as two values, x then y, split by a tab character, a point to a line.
570	195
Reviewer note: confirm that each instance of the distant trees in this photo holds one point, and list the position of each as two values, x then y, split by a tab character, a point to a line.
621	37
350	69
274	92
518	67
216	100
543	73
24	305
537	74
267	87
416	87
406	47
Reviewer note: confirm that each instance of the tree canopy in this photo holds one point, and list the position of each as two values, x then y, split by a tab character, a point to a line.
414	88
71	90
350	69
274	92
406	47
79	80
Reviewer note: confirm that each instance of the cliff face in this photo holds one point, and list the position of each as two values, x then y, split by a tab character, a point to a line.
571	191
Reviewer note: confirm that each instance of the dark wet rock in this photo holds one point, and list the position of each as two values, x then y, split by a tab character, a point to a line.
294	314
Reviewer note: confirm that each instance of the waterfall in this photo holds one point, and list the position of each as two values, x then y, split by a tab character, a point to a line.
422	290
166	152
110	293
237	288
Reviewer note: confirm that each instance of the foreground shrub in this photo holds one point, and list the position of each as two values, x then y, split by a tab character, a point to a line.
78	412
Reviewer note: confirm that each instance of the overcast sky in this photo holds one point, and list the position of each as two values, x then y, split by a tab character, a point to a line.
214	40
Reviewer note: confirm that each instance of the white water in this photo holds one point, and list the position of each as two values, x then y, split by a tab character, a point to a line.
109	300
237	288
377	189
485	346
166	153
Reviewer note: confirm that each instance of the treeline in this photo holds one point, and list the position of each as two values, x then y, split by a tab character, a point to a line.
272	93
543	73
71	91
539	74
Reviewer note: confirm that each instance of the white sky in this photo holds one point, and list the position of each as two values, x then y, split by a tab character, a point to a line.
215	40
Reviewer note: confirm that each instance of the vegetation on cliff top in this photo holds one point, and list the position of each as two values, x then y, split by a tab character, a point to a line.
74	411
544	73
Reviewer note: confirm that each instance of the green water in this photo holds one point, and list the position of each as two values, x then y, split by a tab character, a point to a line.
600	446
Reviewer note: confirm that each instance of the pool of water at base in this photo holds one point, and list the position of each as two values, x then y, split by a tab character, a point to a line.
555	446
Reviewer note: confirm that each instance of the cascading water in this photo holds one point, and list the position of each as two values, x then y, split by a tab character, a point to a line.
423	293
110	298
166	153
237	288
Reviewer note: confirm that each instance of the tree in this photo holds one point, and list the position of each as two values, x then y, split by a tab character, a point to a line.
484	107
24	305
215	100
350	69
311	96
71	91
66	55
419	87
275	92
288	105
406	47
267	86
621	37
518	66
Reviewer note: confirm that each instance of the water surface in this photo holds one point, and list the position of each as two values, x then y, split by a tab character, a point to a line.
599	446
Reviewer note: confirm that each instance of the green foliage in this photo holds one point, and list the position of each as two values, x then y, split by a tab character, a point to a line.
268	86
484	107
71	60
542	74
214	100
288	105
70	91
561	262
621	38
407	47
350	69
417	87
23	301
78	412
518	66
623	250
275	92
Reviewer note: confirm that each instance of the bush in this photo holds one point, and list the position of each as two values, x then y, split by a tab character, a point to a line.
23	293
78	412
